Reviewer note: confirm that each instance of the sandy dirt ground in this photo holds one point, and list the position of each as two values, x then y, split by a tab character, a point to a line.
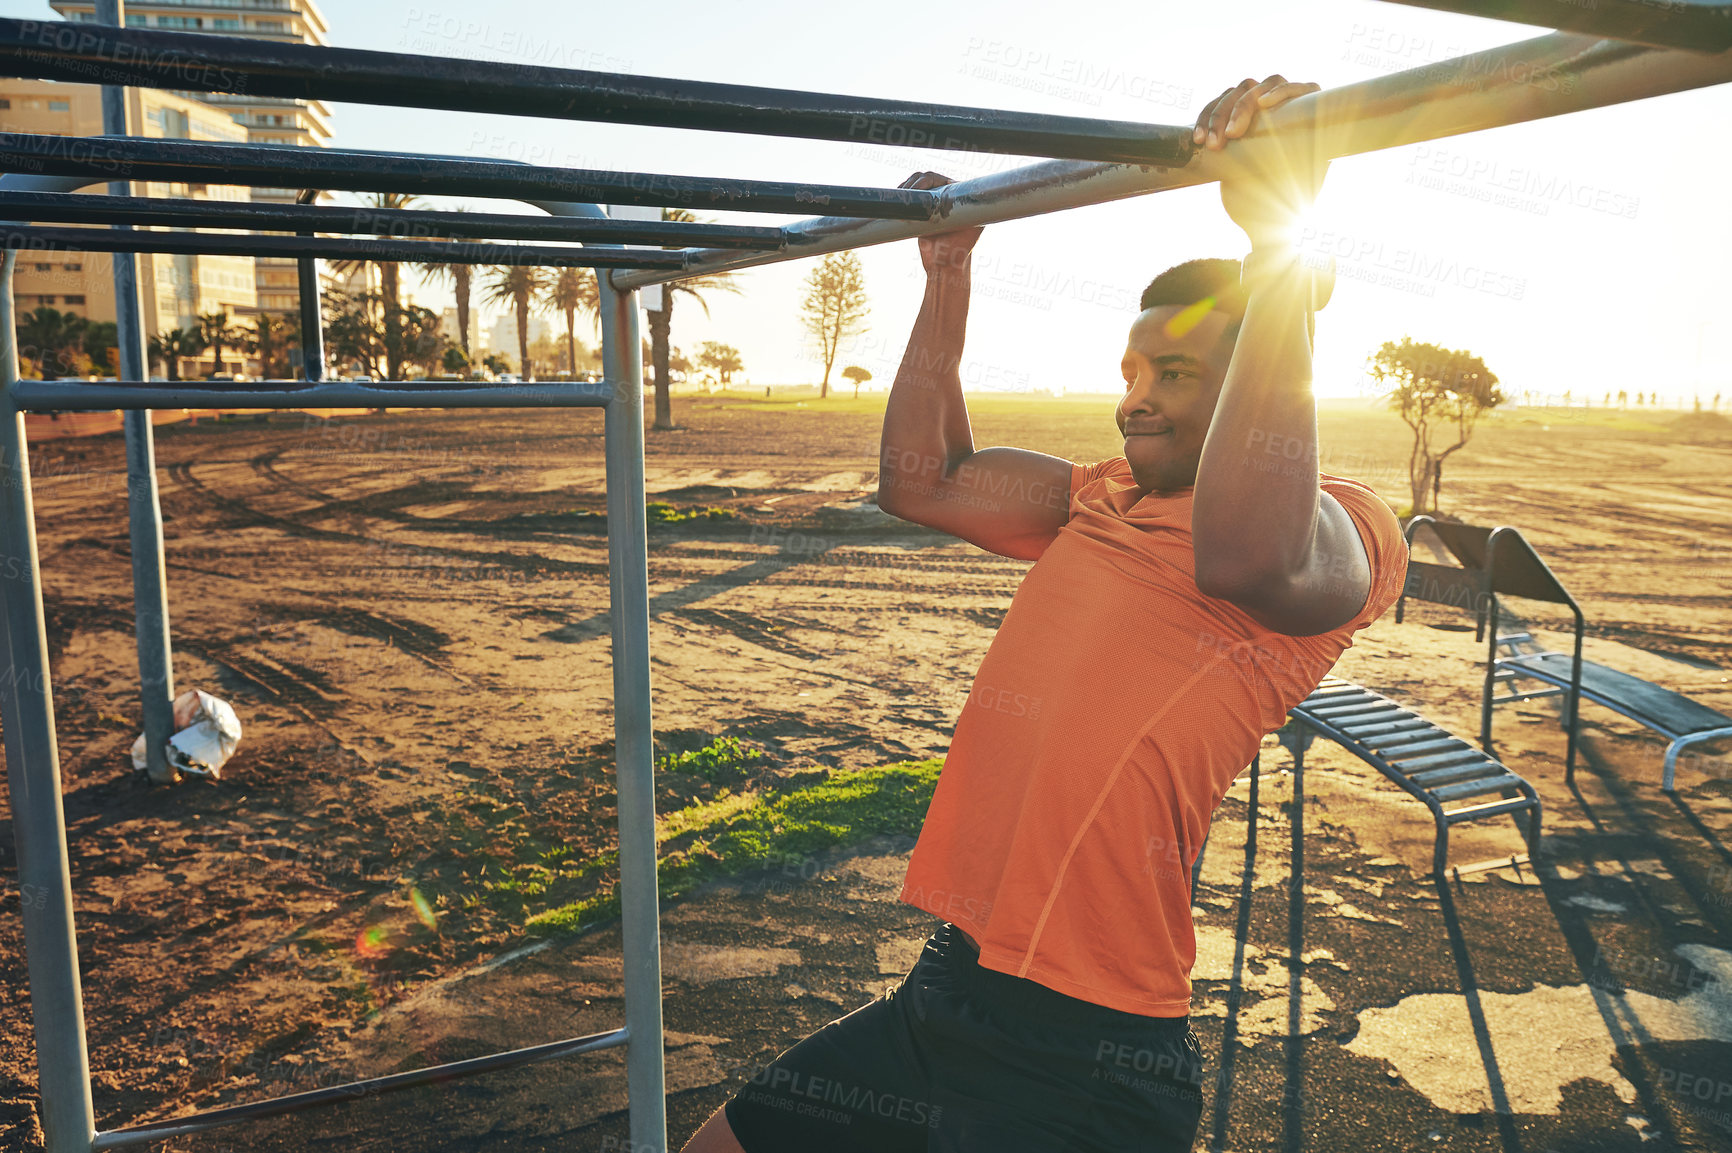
409	613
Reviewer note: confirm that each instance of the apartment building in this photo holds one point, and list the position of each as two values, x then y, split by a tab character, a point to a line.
174	290
266	120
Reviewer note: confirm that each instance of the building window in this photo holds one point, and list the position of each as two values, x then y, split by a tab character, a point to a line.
268	25
44	268
224	25
77	299
5	103
59	106
75	268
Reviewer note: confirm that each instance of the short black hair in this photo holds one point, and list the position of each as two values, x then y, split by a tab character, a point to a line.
1196	280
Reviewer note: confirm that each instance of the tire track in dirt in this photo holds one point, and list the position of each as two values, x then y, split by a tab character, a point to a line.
764	632
246	516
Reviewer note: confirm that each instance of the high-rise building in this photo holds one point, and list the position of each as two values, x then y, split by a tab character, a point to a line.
174	290
267	119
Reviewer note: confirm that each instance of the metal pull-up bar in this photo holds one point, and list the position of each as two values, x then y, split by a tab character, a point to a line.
337	248
1691	24
401	223
56	50
287	165
1529	80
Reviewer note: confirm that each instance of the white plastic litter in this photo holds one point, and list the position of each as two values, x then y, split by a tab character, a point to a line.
207	732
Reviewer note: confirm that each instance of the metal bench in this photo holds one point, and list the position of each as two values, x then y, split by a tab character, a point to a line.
1429	762
1500	562
1682	721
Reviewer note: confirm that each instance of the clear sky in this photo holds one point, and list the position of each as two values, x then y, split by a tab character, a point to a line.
1599	241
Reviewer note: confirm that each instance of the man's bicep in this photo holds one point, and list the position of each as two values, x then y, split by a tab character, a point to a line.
1010	501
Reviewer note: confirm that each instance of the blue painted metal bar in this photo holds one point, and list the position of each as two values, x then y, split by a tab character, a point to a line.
143	501
404	223
633	723
33	781
52	239
51	50
354	1091
106	396
282	165
311	308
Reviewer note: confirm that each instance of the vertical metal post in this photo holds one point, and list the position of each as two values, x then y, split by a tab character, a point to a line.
312	314
33	782
628	598
144	506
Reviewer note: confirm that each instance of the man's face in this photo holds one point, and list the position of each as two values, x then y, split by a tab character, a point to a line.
1173	368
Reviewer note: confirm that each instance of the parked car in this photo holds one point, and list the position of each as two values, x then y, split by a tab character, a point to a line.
510	378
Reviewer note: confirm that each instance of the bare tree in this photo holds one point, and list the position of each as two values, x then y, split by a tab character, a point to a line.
835	307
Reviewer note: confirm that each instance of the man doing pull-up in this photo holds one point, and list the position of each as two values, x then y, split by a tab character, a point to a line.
1184	596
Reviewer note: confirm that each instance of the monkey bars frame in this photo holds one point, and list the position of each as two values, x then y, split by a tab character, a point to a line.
1093	161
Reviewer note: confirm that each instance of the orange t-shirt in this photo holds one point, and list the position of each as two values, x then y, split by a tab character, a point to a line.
1114	708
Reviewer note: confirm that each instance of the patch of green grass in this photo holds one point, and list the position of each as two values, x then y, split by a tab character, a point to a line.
722	755
734	836
660	512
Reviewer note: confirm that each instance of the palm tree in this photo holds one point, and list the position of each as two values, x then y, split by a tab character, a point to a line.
521	286
573	290
169	347
217	334
661	320
390	285
462	278
271	335
51	338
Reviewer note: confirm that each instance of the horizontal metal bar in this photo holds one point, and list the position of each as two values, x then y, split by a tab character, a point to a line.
52	50
351	170
355	1090
1688	24
107	395
74	239
1530	80
268	216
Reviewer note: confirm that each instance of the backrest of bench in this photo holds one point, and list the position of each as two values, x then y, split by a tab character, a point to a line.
1516	569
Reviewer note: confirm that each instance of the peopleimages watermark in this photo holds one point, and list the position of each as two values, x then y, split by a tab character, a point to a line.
908	470
1396	50
111	58
1039	286
830	1099
1511	186
438	31
1071	78
1703	1095
948	905
1407	269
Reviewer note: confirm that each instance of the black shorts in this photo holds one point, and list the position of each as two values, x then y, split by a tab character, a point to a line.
964	1059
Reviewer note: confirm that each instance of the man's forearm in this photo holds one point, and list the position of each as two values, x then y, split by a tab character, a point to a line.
1255	508
926	428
